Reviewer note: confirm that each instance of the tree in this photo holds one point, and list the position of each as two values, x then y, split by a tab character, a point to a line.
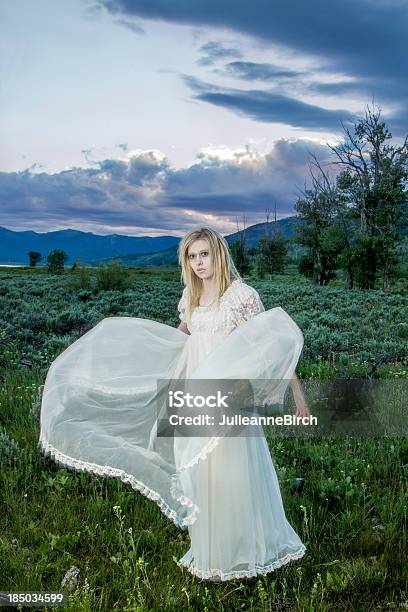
320	234
239	251
279	251
342	231
374	178
56	260
264	260
34	257
272	249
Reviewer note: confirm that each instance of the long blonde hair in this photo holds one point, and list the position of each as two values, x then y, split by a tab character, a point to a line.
225	271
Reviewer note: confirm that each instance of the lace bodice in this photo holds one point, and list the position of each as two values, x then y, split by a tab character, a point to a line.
239	303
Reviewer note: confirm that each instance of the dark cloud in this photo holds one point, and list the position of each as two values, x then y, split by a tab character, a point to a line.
361	36
364	39
146	192
270	107
214	51
252	71
245	183
109	193
144	168
305	82
112	168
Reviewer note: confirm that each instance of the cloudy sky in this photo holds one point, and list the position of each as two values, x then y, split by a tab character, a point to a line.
150	117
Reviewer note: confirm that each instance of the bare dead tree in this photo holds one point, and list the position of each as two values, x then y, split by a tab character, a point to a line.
365	155
242	236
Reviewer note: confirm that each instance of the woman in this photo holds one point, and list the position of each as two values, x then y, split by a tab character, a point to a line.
107	395
241	530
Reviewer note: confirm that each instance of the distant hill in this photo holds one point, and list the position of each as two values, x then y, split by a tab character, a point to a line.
131	251
85	246
254	232
168	256
139	251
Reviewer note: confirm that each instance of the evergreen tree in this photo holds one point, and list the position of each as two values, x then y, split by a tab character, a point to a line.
240	257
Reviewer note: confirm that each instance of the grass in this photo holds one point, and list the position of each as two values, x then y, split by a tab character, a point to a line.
351	513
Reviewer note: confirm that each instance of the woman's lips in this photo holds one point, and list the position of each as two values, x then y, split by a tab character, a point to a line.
200	270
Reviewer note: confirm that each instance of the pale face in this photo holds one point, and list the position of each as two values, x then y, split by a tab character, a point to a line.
200	259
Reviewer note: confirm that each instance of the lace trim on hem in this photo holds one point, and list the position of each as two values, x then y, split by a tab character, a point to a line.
258	569
99	470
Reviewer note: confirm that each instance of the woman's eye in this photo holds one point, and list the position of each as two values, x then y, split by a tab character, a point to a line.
204	254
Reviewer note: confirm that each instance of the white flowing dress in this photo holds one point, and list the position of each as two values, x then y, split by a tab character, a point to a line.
242	529
102	404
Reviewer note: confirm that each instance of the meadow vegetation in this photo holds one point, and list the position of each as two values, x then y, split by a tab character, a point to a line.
351	512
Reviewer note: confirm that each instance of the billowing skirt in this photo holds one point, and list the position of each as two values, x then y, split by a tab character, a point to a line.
102	410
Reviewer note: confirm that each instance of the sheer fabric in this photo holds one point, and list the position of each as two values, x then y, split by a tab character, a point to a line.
101	406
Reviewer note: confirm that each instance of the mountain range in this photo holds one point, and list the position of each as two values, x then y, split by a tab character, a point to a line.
92	248
85	246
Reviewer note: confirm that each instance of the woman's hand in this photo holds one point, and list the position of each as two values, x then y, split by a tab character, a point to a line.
302	408
183	327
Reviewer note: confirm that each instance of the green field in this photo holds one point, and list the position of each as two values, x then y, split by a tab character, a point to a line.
351	513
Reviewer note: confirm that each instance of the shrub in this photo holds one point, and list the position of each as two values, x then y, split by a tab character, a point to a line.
80	277
112	276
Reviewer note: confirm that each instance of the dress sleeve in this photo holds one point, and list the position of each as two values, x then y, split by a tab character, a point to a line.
248	304
182	305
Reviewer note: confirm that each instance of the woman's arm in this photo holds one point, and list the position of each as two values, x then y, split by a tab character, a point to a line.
301	405
184	328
